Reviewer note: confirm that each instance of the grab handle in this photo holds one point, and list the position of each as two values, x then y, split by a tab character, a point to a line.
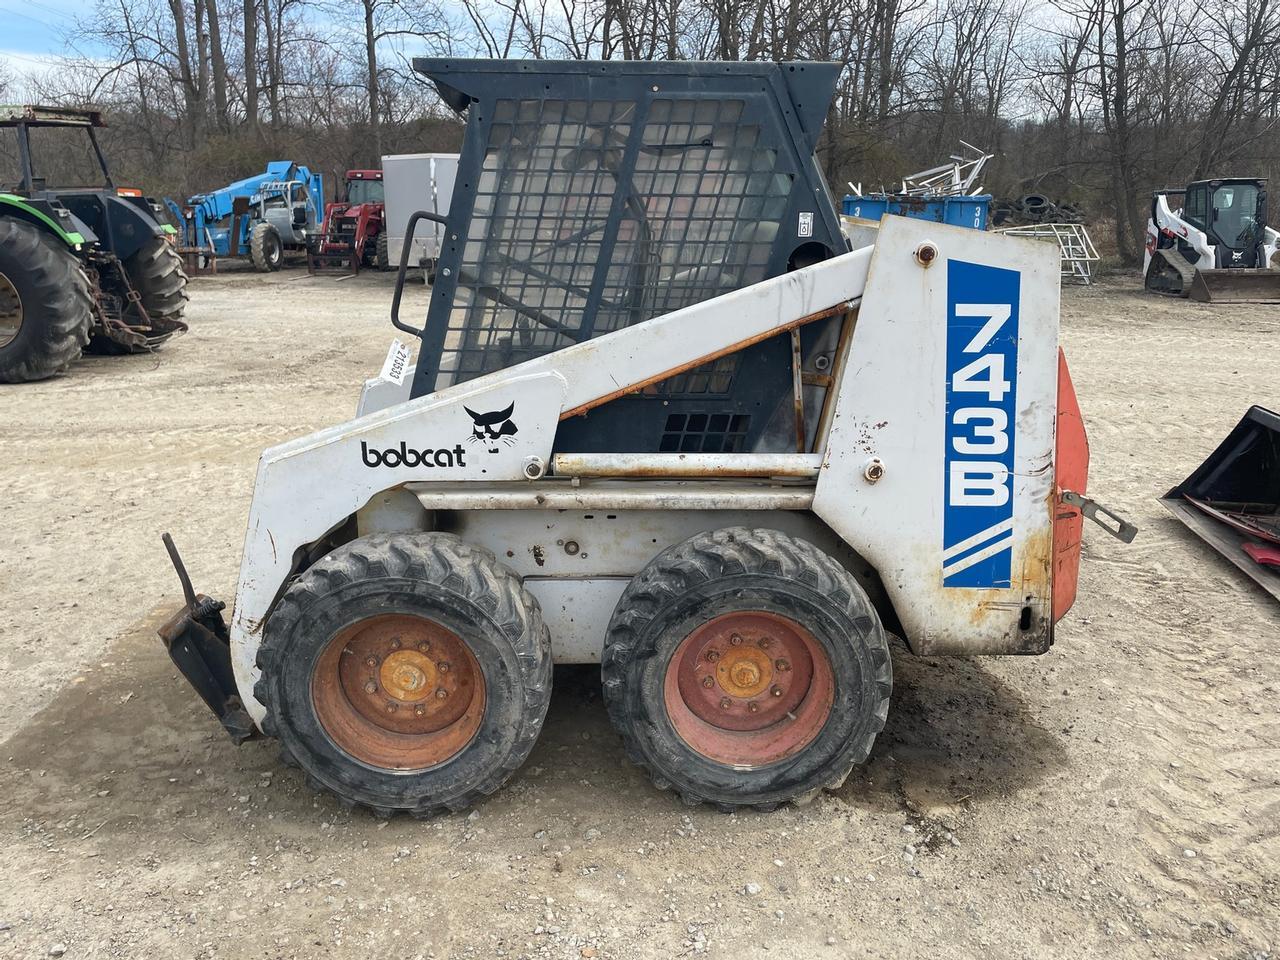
404	268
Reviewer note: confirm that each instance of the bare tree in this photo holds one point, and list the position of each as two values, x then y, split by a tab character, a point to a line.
1097	101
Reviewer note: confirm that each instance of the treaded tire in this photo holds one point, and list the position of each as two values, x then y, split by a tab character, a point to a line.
741	569
265	250
53	291
156	273
382	256
432	575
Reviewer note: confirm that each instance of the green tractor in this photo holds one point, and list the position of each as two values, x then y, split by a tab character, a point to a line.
88	269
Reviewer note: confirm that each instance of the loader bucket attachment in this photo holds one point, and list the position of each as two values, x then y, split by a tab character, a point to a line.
1232	500
1236	286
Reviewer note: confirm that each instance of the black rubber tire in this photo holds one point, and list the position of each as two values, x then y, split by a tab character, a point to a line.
437	575
742	568
156	273
382	256
53	291
265	249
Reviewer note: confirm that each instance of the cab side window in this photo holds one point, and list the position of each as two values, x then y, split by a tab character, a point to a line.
1196	212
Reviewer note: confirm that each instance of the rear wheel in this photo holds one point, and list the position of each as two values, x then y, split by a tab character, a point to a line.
406	672
156	273
45	305
265	249
746	667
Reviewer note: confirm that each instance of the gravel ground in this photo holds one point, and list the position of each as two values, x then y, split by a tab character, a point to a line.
1116	797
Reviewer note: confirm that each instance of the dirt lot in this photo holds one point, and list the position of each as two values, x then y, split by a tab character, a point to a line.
1117	797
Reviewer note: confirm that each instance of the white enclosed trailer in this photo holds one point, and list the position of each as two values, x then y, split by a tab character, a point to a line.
414	182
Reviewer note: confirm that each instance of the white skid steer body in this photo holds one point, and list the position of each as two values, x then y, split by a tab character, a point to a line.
1181	258
940	466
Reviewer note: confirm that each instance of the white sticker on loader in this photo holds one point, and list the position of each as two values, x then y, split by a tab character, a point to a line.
982	373
397	362
805	227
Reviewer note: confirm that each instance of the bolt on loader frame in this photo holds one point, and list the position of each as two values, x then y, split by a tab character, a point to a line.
664	417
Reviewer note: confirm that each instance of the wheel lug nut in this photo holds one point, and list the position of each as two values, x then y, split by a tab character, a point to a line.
420	710
735	640
441	693
753	706
444	666
424	646
783	665
370	661
776	691
708	682
713	656
395	642
370	687
763	643
392	708
725	703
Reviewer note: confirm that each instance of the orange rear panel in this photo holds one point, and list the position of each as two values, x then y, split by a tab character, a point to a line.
1072	464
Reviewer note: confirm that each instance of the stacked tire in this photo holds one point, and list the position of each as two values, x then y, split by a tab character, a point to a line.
1034	208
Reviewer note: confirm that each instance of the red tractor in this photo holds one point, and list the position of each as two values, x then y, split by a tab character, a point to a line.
355	229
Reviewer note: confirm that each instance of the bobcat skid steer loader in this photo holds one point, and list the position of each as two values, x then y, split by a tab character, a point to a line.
662	419
1216	247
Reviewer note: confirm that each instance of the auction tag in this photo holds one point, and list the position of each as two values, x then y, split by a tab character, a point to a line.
397	362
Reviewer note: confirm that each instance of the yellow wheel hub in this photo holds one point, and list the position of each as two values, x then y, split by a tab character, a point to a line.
408	675
744	671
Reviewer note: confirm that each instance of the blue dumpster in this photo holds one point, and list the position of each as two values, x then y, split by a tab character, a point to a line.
957	211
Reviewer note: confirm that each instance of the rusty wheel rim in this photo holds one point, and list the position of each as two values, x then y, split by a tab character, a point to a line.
749	688
10	311
398	692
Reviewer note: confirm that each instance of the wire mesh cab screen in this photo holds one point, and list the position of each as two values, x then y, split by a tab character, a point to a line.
593	196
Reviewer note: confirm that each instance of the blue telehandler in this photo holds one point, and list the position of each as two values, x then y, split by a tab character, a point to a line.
259	218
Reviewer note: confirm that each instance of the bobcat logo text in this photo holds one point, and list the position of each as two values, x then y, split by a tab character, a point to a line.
406	456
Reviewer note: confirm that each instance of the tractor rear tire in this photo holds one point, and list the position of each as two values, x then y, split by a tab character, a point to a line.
382	258
156	273
46	309
265	249
406	672
745	667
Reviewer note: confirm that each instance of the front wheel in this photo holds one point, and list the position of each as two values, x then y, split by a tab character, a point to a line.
745	667
382	258
406	672
265	249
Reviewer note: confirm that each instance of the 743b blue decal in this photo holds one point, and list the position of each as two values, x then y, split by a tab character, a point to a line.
982	386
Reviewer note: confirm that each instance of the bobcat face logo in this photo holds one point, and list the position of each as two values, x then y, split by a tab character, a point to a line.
492	428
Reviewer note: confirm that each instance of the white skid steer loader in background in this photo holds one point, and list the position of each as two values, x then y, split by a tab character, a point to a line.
1217	247
699	442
